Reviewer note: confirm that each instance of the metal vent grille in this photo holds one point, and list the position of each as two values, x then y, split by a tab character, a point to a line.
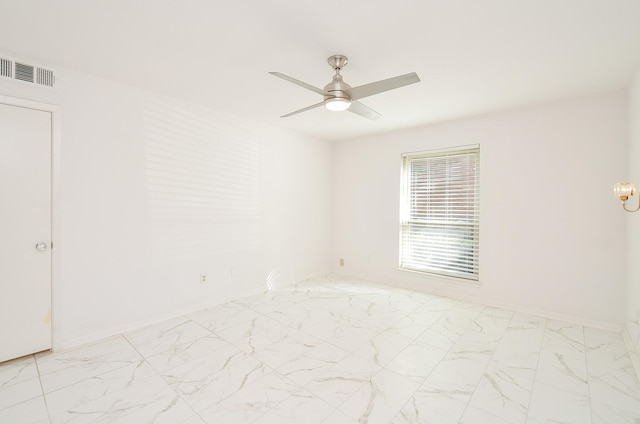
25	72
6	68
46	77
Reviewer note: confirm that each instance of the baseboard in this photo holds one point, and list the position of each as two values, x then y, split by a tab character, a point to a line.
103	334
607	326
633	353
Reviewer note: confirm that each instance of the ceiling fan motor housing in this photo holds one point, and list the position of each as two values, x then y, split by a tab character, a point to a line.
337	88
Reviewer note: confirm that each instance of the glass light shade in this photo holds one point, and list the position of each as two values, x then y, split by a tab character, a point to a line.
624	190
337	104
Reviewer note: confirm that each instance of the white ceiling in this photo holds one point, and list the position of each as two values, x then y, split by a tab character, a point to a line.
473	56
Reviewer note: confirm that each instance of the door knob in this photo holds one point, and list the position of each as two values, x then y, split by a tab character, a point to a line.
41	246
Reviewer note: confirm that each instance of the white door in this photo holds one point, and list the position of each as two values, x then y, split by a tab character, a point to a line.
25	231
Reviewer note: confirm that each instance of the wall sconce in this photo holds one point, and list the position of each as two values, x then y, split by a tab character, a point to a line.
623	191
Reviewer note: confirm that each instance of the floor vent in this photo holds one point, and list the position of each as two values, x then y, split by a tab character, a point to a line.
25	72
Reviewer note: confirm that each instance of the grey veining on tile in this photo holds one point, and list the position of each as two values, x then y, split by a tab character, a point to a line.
503	394
19	392
251	401
383	348
300	407
552	405
341	381
207	380
147	401
607	414
380	398
165	335
93	388
427	407
564	338
223	316
17	370
33	411
333	350
316	360
181	354
61	369
492	321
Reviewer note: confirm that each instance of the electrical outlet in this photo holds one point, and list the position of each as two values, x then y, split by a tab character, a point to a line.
203	278
341	262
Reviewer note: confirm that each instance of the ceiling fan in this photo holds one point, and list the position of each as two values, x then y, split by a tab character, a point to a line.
338	95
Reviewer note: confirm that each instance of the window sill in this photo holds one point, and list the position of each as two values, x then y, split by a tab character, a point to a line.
447	279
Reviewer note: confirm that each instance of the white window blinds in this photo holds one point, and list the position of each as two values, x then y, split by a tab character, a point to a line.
440	213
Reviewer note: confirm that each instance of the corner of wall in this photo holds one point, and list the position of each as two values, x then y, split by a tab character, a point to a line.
631	331
631	336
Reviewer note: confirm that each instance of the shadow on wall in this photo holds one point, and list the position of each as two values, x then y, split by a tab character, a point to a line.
202	170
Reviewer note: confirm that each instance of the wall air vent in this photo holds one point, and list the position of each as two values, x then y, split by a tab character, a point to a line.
46	77
25	72
6	68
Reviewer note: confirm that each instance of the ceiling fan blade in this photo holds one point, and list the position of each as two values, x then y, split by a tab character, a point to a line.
370	89
303	109
300	83
364	111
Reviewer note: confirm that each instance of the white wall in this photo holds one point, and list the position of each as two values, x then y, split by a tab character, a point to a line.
152	192
552	236
633	222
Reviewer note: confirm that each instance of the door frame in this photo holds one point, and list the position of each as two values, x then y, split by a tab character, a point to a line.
56	141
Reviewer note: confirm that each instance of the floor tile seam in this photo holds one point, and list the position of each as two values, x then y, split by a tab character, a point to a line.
588	376
408	401
141	359
345	317
413	343
634	413
337	407
196	414
354	394
146	358
189	405
110	393
17	376
66	386
435	366
44	398
408	398
188	317
475	387
506	420
221	400
121	364
300	388
610	364
431	325
502	419
48	419
8	386
535	374
24	400
249	307
134	409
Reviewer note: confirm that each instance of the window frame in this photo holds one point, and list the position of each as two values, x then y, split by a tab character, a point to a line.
405	213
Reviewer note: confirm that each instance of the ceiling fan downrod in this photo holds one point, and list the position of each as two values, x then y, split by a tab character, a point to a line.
338	99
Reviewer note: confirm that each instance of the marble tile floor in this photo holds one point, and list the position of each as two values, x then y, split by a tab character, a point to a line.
337	351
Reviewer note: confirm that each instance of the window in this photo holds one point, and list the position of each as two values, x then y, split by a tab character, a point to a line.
440	212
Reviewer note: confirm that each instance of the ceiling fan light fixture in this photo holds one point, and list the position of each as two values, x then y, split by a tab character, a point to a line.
337	104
